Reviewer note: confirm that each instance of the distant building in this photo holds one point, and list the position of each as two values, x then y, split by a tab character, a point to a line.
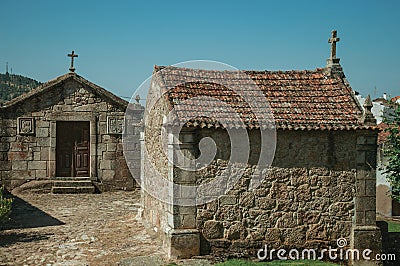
382	109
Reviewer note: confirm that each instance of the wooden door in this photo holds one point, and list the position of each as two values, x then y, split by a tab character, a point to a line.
395	208
72	149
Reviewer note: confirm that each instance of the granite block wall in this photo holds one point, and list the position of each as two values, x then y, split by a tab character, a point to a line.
28	136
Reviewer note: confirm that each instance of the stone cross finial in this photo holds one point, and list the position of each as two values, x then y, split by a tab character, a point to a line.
368	117
333	40
72	55
332	63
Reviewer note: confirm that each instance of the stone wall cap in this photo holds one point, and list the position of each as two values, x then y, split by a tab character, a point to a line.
183	231
366	228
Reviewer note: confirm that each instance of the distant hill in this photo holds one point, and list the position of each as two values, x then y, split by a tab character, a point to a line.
12	86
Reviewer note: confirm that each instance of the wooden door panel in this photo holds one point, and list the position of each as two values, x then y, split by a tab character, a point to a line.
78	161
86	160
82	159
64	158
64	165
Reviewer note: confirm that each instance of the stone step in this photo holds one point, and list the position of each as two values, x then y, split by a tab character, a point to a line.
72	178
72	183
73	190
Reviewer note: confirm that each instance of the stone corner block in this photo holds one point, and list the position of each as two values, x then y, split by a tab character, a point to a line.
363	238
183	243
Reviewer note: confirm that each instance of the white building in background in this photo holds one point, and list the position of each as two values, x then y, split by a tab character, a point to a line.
379	110
382	108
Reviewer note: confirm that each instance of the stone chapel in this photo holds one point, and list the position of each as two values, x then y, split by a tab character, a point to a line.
319	188
68	130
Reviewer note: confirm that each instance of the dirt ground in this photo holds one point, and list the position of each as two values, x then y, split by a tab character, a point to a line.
85	229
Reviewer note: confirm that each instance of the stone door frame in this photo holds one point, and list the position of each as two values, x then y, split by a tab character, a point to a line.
72	142
73	117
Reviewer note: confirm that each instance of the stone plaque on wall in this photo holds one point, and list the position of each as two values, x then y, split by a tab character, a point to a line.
115	124
25	126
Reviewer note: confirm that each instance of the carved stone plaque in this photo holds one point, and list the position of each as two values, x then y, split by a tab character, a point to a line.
25	126
115	124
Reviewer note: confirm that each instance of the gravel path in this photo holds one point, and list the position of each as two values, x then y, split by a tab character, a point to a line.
85	229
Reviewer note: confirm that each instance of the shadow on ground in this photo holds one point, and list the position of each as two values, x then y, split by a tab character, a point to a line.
7	239
390	244
24	215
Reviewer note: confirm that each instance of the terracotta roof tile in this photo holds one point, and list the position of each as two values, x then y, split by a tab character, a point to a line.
301	100
394	99
383	134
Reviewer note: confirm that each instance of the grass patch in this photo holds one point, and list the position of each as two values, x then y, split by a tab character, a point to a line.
393	226
236	262
5	207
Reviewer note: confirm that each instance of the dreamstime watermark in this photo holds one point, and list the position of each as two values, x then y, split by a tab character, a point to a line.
340	253
206	92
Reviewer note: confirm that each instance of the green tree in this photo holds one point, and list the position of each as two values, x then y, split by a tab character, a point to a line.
392	152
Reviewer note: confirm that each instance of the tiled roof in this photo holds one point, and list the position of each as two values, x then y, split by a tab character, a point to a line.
298	99
52	84
383	134
395	99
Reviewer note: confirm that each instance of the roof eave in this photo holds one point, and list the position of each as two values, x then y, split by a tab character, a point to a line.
59	80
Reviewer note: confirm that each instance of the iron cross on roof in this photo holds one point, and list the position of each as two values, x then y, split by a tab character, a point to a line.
72	55
333	40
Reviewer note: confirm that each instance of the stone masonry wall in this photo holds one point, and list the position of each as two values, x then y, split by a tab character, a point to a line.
32	156
155	163
305	200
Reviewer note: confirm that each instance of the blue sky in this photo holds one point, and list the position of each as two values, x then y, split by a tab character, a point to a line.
119	42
